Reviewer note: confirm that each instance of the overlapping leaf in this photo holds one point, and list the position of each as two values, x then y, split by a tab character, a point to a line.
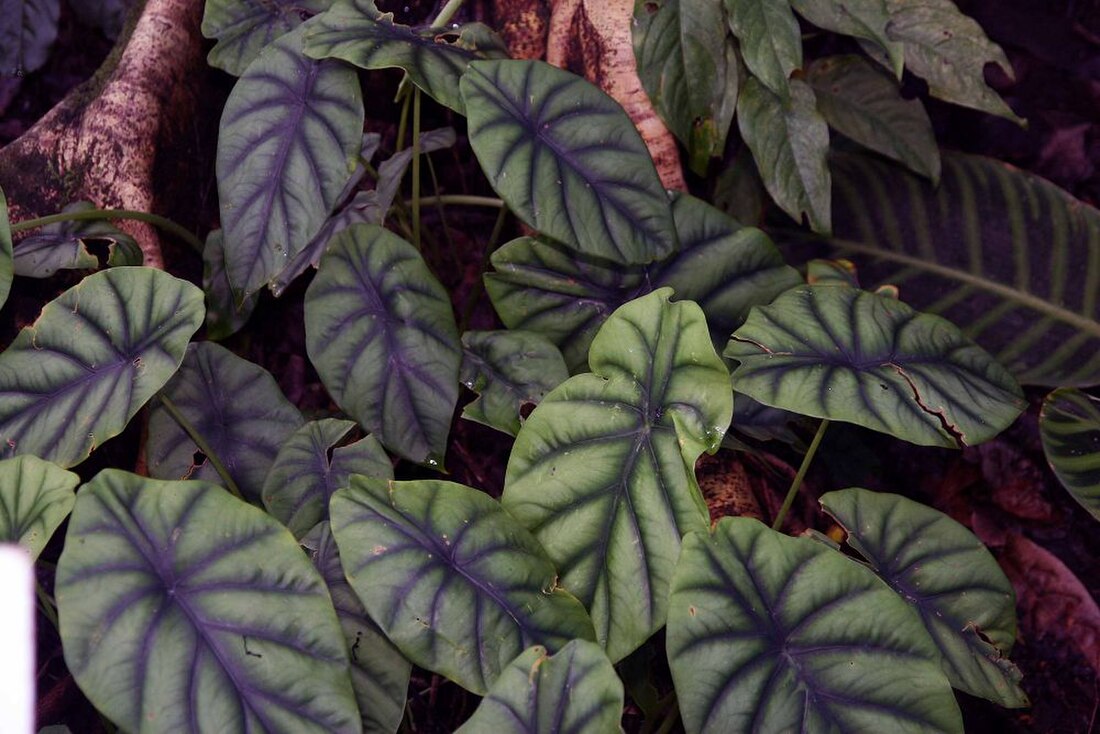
772	633
7	267
357	32
454	581
723	267
771	42
575	691
949	50
379	673
1069	425
224	317
96	353
844	354
935	564
508	370
789	141
867	19
567	160
312	464
184	609
860	101
26	34
35	497
242	28
689	71
1009	258
603	470
381	333
287	144
64	246
237	409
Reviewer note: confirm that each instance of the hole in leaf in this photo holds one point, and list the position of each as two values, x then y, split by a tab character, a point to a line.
651	8
526	409
198	458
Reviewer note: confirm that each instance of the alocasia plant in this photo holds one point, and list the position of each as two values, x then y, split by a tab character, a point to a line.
184	606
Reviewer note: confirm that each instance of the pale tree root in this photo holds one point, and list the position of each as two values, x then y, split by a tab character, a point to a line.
101	142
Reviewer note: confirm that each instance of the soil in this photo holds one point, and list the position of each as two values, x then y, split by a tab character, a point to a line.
1004	491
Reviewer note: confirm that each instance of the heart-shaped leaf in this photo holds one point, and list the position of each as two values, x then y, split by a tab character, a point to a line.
223	316
789	141
184	609
949	50
777	634
722	266
602	472
845	354
1001	253
454	581
7	267
357	32
64	246
234	406
96	353
575	691
243	29
689	71
381	333
867	19
860	101
287	144
770	40
508	370
35	497
936	565
1069	425
567	160
379	673
312	464
26	35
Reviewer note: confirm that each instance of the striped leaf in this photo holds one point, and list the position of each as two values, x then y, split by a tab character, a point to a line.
184	609
843	354
7	267
602	471
287	143
62	396
64	246
574	692
455	582
434	58
1011	259
942	570
243	27
567	160
35	497
768	633
1070	428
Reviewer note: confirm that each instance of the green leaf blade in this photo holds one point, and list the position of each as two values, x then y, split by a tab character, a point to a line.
789	140
964	599
35	498
287	144
602	470
771	41
7	267
772	633
453	580
63	246
382	335
575	691
155	573
843	354
867	19
65	395
1069	425
242	29
567	160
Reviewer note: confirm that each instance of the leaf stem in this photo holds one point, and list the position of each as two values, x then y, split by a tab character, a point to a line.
416	168
110	214
200	441
479	284
403	121
49	609
447	13
797	483
463	200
